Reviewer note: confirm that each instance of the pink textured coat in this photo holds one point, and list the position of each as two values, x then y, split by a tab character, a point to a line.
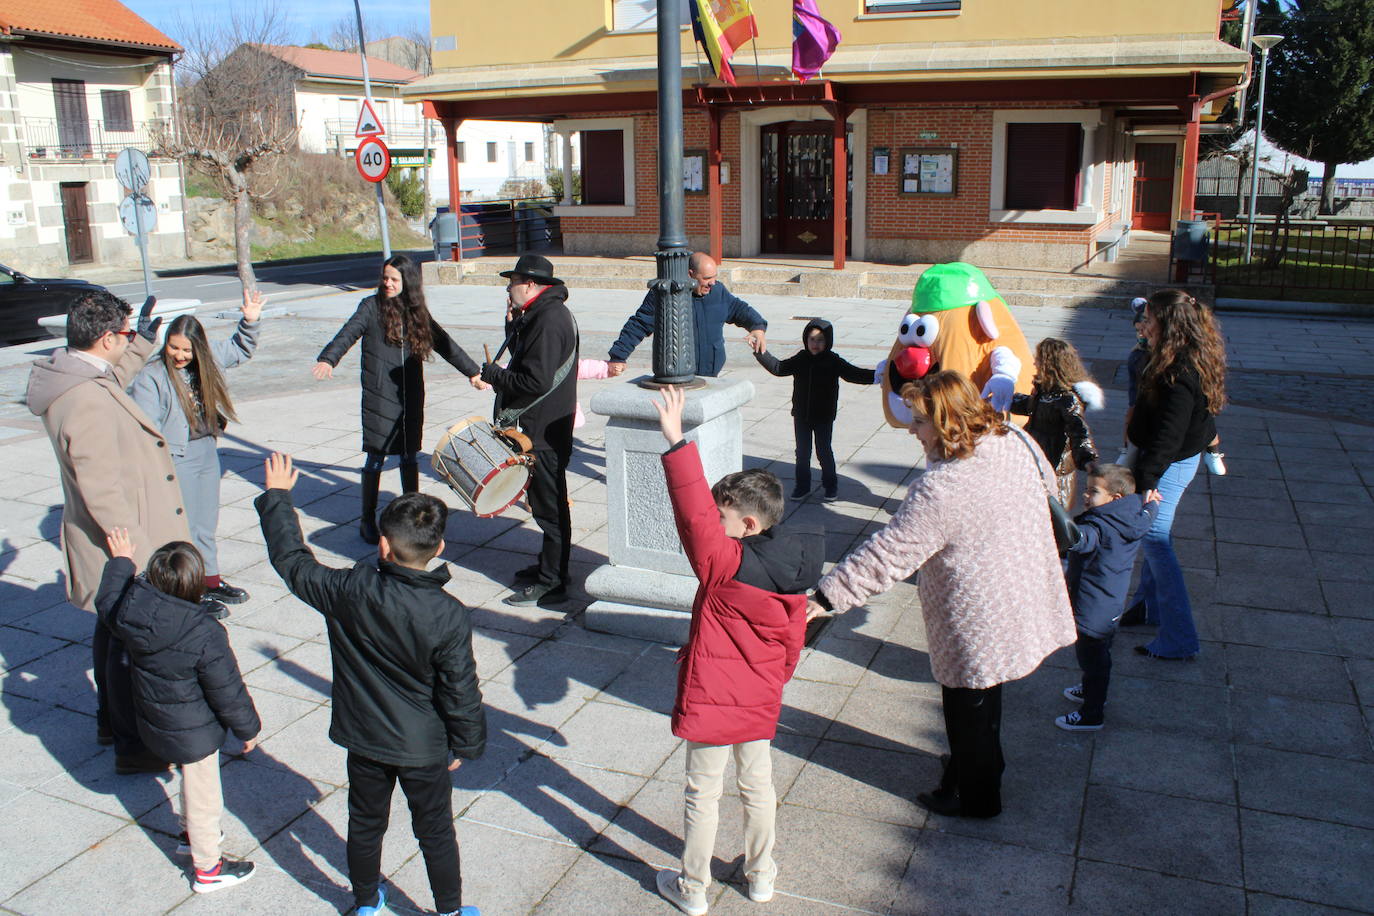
991	585
589	368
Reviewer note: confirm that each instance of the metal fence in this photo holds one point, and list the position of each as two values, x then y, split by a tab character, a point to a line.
47	138
510	226
1295	256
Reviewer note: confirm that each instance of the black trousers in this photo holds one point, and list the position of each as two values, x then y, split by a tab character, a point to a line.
821	433
1095	660
973	724
429	792
114	691
548	496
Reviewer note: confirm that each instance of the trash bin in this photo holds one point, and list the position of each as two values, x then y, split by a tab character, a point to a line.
444	230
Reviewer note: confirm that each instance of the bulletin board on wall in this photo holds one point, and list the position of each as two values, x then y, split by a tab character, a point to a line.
694	171
928	171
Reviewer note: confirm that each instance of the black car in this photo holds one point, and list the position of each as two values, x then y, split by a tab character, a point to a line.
24	300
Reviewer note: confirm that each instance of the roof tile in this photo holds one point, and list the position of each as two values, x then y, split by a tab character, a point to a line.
101	20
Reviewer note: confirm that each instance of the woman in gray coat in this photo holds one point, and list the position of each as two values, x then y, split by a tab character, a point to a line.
182	390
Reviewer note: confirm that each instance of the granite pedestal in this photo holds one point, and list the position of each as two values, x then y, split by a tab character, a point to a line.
646	589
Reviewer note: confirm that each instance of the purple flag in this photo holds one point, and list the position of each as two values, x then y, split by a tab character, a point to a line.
813	39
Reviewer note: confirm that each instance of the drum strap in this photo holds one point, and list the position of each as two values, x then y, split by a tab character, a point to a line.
509	415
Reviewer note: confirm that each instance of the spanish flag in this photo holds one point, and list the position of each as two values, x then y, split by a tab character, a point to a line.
722	27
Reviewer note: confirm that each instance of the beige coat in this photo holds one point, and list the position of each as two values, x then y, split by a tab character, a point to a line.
991	585
116	468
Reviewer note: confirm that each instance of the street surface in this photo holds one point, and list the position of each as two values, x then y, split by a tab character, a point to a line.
1241	783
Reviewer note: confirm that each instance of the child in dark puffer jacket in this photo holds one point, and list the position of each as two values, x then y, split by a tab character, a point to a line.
1062	392
187	688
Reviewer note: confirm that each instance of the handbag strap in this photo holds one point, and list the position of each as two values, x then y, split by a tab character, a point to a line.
1035	456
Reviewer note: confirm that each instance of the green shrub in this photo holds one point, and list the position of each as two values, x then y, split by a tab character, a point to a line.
409	192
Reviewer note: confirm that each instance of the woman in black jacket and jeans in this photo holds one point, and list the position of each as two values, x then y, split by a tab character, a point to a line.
399	336
1182	389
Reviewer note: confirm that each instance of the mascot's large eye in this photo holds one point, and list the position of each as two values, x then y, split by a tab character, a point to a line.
918	330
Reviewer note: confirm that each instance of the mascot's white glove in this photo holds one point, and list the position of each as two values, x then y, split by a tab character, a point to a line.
1002	385
878	372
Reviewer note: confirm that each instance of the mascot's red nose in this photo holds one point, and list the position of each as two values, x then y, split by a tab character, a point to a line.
913	362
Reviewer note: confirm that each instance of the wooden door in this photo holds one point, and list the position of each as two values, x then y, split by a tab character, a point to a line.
73	121
1154	186
797	187
77	220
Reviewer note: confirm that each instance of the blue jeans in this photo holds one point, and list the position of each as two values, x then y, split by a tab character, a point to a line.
1161	578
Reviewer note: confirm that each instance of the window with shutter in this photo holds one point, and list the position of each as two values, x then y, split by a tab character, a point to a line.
603	167
642	15
73	123
1043	166
910	6
117	109
491	152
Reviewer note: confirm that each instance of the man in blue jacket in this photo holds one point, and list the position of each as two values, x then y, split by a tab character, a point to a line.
713	308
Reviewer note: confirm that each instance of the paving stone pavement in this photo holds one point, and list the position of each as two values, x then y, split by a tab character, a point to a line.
1241	783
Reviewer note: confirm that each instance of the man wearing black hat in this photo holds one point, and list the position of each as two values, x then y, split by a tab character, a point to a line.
538	390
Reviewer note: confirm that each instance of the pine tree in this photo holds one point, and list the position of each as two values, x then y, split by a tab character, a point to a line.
1319	103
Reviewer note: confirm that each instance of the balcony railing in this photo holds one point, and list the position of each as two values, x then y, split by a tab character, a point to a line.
402	133
47	138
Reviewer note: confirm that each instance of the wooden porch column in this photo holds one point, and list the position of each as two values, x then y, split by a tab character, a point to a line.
1187	197
840	166
455	194
714	202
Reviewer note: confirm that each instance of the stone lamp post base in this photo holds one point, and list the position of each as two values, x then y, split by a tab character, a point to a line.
646	588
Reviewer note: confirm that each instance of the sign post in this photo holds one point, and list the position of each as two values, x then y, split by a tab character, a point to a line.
372	136
137	211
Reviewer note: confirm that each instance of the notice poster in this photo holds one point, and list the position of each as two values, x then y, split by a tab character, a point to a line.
929	172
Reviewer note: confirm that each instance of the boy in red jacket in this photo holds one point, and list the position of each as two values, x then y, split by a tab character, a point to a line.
748	624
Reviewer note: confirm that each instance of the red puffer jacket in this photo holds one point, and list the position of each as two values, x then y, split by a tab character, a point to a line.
746	638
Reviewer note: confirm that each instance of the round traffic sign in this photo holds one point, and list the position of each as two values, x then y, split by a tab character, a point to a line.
133	169
373	159
136	209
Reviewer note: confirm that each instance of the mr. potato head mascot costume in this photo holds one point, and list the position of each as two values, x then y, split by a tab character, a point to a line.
957	321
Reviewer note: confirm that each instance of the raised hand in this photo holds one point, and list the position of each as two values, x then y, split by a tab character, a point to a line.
280	474
322	370
118	542
252	305
670	413
147	325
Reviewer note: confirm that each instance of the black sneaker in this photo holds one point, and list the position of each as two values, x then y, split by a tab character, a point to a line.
537	593
1134	616
1074	693
229	594
213	607
831	495
1074	722
104	735
528	574
799	493
226	874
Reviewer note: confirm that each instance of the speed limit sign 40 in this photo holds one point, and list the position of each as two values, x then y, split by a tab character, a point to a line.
373	159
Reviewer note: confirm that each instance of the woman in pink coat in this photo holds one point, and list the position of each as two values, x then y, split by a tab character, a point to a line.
992	590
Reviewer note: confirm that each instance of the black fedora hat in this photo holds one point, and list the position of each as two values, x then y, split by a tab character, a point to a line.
535	267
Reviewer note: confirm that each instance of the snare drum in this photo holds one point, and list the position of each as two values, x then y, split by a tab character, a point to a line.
482	466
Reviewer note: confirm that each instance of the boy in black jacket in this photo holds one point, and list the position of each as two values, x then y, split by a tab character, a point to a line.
816	372
1099	575
186	685
405	691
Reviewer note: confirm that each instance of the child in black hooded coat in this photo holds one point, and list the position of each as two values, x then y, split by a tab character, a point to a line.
816	371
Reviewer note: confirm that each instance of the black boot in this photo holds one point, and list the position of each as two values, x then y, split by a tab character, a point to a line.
367	526
410	478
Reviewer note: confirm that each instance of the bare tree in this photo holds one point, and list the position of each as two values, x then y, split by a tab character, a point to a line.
235	108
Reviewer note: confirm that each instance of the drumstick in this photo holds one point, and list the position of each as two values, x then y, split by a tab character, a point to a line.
486	348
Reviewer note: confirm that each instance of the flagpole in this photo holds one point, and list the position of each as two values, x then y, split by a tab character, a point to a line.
674	341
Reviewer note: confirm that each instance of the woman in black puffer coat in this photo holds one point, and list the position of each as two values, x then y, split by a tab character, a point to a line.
398	336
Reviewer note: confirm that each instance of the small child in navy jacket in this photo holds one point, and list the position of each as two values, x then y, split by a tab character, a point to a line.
816	371
1099	577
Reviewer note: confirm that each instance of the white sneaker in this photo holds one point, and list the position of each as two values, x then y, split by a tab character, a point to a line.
670	887
761	887
1215	466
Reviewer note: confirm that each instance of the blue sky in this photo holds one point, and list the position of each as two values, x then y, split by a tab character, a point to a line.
302	19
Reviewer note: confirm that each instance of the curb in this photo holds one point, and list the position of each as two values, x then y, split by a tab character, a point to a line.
1298	309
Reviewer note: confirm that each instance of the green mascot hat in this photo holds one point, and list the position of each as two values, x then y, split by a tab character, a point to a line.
950	286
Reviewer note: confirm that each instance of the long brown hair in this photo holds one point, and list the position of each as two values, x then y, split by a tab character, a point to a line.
406	318
1189	336
953	406
1057	366
214	393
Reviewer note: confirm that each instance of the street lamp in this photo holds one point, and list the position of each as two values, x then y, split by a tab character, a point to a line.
1264	43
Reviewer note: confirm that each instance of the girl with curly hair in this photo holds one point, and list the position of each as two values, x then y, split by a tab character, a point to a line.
1182	389
398	336
1061	392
